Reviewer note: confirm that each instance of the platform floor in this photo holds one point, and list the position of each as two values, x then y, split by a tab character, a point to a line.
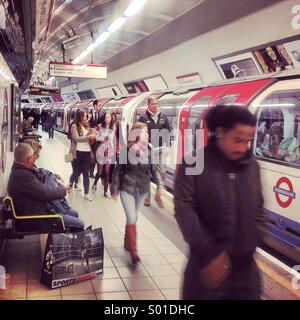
160	244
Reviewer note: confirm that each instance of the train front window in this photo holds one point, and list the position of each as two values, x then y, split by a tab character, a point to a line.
229	99
194	120
171	108
278	127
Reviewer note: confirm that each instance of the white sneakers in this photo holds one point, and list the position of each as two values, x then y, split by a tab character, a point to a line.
87	197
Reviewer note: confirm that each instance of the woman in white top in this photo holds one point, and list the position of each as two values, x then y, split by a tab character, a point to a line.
105	154
81	140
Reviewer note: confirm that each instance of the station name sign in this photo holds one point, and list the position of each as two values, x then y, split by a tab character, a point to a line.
43	91
70	70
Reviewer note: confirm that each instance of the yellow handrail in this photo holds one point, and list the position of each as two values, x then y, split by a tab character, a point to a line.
10	200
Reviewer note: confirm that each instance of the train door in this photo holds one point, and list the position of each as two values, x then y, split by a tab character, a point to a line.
170	105
240	93
128	112
277	148
118	106
190	121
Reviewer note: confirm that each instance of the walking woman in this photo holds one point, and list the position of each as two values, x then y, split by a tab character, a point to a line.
132	181
81	150
105	153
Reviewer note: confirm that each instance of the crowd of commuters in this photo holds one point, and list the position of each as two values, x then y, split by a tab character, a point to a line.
218	210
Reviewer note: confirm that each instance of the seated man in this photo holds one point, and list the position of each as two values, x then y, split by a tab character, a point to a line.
28	130
30	194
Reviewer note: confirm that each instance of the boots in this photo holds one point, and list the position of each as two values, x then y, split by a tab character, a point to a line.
126	245
131	240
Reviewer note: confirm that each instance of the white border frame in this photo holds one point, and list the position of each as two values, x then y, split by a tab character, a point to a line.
236	58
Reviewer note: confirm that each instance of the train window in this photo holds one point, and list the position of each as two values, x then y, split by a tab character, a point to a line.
141	109
194	120
114	107
228	99
278	127
171	108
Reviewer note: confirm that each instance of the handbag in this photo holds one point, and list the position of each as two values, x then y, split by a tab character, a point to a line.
69	157
72	257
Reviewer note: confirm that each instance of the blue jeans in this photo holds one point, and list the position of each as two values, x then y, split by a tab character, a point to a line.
131	204
72	221
51	132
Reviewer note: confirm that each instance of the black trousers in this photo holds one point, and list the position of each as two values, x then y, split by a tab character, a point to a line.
243	283
82	164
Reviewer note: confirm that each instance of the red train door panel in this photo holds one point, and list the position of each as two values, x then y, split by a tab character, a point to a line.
240	93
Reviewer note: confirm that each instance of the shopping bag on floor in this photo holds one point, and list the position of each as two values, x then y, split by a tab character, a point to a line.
72	257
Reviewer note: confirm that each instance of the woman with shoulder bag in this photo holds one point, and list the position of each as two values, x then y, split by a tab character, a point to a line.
81	150
132	181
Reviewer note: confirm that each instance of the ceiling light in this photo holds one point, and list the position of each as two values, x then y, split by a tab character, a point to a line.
117	24
103	36
134	7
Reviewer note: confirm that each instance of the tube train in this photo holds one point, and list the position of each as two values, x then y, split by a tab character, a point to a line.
274	99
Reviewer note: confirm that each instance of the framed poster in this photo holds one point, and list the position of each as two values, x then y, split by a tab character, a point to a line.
237	66
274	58
292	50
136	86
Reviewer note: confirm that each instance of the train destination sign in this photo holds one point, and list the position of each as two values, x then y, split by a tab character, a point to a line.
43	91
70	70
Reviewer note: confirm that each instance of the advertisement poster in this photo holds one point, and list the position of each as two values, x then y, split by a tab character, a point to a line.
72	257
238	66
274	58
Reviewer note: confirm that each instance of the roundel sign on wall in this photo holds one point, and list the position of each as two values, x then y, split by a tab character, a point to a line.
284	192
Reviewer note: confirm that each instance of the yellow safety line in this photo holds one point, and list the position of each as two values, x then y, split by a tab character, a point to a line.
275	276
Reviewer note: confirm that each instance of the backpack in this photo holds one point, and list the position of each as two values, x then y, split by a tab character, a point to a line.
58	206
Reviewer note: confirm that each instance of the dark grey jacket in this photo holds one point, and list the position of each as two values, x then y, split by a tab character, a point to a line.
135	178
27	128
220	209
30	195
162	123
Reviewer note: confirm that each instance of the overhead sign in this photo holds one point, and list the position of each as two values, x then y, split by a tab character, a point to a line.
43	91
70	70
189	79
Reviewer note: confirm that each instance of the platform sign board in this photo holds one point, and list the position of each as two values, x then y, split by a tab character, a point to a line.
61	69
189	79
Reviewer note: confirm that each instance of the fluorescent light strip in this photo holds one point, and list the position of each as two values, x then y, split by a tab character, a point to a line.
134	7
277	105
131	10
117	24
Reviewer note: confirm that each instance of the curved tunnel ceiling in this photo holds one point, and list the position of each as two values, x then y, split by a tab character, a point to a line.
88	18
91	17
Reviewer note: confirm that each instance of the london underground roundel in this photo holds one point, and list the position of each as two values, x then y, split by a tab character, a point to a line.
284	192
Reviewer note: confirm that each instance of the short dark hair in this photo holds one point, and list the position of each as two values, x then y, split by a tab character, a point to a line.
95	102
227	117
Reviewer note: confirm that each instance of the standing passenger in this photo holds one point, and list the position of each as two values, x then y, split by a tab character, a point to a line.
81	150
105	153
132	180
220	211
50	123
156	121
94	121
